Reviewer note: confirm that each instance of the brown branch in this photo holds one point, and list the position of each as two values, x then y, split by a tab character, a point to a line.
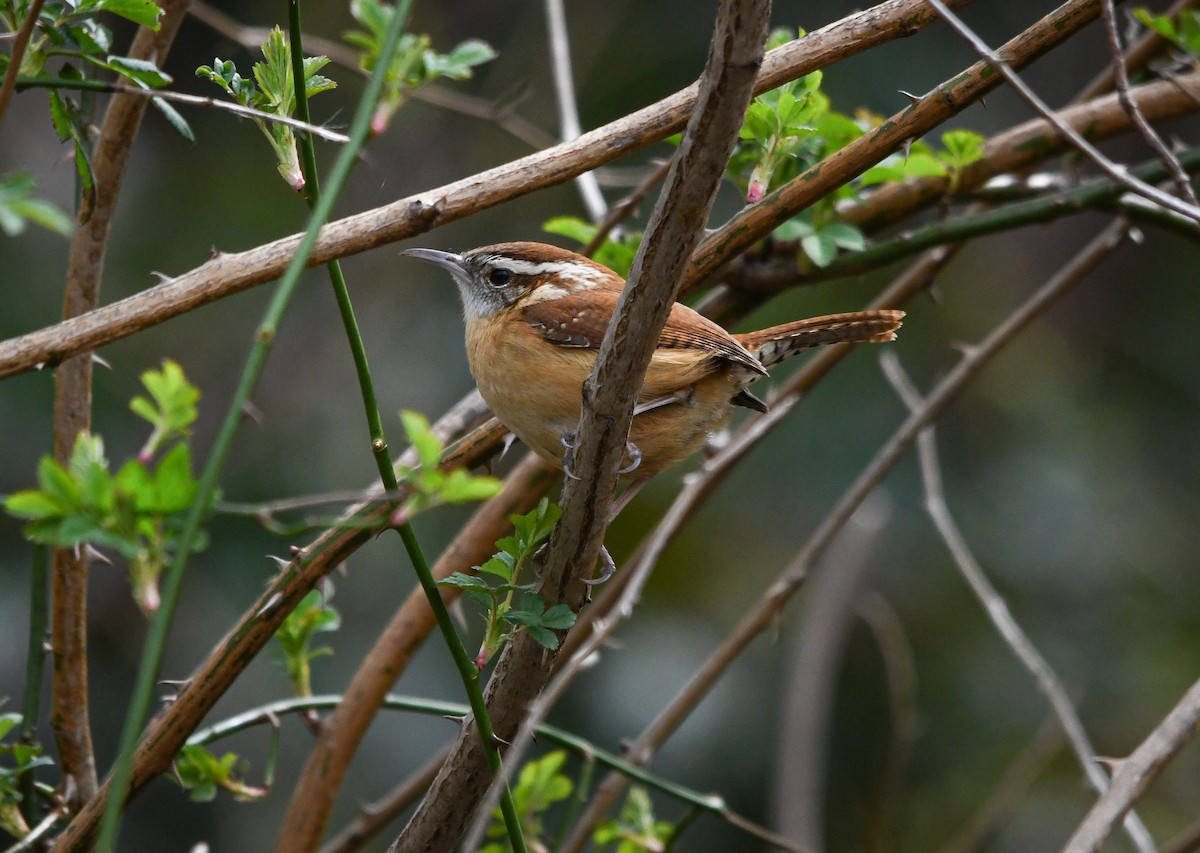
73	413
1134	774
169	731
609	394
1023	146
950	98
765	614
341	733
18	53
226	274
1115	171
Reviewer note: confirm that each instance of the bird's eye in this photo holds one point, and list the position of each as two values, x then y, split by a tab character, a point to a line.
499	276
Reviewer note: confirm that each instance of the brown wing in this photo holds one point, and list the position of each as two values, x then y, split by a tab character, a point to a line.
580	321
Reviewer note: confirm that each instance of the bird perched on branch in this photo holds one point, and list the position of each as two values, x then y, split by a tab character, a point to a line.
535	317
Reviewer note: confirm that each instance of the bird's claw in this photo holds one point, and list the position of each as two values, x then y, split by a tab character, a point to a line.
568	460
610	568
635	458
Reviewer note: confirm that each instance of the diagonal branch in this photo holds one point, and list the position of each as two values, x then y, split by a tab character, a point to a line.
225	274
1134	774
766	612
609	394
1113	170
997	609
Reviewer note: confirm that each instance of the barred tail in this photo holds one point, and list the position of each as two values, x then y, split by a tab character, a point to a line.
773	345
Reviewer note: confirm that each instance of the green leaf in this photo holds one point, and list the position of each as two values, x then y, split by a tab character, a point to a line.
174	487
422	438
464	581
846	236
177	121
139	70
500	565
571	227
820	248
461	487
17	207
143	12
559	617
34	504
543	636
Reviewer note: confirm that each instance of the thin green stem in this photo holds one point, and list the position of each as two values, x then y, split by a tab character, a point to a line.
173	578
35	664
467	669
1097	193
264	714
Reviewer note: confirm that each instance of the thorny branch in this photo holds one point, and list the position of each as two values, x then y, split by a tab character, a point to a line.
609	395
765	613
994	604
225	274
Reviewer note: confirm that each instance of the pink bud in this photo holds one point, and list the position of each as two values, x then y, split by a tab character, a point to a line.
755	193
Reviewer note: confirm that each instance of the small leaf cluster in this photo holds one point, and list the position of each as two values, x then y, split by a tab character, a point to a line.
25	758
1184	33
794	127
636	830
960	148
201	773
18	207
616	251
68	35
414	62
273	91
312	616
540	785
430	485
505	613
137	511
785	131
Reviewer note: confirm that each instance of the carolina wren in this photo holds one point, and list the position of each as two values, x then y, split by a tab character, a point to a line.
535	316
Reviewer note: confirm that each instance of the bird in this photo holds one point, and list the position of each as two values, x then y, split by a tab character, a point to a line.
535	315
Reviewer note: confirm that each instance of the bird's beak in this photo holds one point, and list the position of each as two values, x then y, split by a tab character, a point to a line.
446	260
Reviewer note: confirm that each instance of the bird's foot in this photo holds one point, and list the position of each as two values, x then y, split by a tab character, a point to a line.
609	566
635	458
568	460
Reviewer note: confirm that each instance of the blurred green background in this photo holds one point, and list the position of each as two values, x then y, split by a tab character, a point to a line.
1072	463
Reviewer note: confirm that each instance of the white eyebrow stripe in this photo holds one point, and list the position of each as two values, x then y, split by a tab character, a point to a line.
584	277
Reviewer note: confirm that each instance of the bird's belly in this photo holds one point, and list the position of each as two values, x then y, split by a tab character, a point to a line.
536	391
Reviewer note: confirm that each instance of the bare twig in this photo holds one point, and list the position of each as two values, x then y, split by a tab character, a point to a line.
182	98
1135	773
1121	78
994	604
1137	57
17	54
1113	170
765	613
568	109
